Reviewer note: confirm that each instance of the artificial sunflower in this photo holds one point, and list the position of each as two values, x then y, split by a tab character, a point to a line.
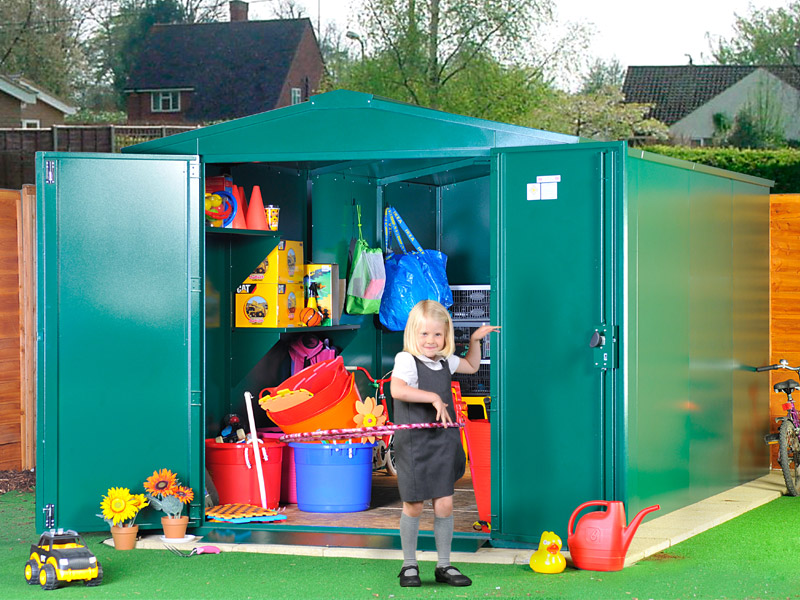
119	506
161	483
370	414
184	494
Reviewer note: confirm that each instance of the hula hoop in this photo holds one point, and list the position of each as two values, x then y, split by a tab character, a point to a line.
338	434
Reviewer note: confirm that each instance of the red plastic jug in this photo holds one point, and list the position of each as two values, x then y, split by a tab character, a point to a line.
600	540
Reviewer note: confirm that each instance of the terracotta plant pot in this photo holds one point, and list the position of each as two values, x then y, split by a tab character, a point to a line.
174	528
124	537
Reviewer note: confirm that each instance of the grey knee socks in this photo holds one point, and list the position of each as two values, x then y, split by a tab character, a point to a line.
409	530
443	534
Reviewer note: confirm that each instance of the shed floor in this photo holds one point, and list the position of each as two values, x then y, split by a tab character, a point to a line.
386	506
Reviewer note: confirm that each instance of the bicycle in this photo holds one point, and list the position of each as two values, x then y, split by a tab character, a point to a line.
787	436
383	454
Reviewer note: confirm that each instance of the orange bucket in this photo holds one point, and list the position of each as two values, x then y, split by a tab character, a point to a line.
337	416
327	381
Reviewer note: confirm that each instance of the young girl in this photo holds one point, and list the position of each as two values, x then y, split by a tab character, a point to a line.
429	461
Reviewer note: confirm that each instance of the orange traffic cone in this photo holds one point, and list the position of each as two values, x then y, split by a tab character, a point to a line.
244	199
256	218
239	220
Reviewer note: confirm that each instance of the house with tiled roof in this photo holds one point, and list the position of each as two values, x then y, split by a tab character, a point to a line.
24	103
205	72
689	98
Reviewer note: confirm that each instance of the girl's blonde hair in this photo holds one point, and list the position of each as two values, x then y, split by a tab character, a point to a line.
424	311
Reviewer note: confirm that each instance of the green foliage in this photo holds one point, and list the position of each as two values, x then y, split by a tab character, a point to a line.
478	58
781	166
38	40
88	117
603	75
599	115
763	37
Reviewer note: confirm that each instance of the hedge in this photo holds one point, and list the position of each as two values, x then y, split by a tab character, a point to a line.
781	166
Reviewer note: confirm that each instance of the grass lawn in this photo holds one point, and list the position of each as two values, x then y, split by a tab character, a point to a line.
751	556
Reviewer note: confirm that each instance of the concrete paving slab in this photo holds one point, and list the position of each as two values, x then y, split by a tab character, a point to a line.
655	535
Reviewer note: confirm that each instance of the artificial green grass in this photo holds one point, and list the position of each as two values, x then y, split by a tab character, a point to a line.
750	557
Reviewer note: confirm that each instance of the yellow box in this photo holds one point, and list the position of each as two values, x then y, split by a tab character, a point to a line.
283	265
326	279
268	304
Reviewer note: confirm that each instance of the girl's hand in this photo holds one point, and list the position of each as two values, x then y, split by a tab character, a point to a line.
481	332
441	410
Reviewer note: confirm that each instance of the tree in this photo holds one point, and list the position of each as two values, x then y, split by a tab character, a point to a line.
760	123
764	37
38	40
598	115
602	75
479	57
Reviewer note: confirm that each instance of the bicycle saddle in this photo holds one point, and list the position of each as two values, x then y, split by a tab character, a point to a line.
789	385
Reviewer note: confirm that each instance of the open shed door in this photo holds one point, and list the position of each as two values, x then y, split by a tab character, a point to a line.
120	330
553	380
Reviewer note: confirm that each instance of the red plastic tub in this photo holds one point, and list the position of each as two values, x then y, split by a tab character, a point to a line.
480	464
235	476
288	472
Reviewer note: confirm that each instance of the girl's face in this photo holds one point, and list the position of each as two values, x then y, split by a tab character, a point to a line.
431	337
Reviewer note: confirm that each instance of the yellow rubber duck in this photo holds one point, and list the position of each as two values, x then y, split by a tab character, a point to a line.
548	558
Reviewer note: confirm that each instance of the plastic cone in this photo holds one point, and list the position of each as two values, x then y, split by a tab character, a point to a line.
256	218
244	199
239	220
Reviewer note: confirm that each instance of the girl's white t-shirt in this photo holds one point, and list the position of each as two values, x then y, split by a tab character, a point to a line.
405	367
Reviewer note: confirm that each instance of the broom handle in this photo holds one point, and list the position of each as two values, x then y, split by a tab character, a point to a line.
248	397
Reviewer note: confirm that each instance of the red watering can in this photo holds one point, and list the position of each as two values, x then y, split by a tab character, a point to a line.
600	540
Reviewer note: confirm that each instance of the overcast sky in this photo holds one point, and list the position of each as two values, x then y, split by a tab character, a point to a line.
633	31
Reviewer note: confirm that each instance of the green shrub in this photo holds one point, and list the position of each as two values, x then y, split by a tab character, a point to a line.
781	166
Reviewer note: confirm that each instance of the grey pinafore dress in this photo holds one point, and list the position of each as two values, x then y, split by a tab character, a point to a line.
429	461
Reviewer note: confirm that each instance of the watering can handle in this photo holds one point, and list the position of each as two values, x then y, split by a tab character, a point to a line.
580	508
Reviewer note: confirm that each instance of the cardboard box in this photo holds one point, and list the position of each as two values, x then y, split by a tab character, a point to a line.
326	279
283	265
268	304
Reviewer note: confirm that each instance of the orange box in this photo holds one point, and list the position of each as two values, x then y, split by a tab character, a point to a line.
268	304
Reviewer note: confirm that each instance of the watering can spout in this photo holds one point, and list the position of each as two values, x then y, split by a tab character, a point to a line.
627	532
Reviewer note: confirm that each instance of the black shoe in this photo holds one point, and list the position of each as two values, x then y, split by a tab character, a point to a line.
452	576
409	580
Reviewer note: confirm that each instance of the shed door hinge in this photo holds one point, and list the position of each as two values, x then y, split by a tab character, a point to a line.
194	170
49	511
195	284
197	398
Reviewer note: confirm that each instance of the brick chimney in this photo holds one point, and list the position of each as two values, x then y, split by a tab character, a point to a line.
238	10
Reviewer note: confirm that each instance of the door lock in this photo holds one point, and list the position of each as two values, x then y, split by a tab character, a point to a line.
604	347
598	339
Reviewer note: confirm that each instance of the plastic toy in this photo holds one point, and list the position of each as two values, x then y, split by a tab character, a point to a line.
600	539
221	208
548	558
232	431
310	317
62	556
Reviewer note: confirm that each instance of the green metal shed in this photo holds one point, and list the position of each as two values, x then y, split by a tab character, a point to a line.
632	291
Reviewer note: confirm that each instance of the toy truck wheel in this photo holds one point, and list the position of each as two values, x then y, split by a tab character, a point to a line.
47	577
96	580
32	572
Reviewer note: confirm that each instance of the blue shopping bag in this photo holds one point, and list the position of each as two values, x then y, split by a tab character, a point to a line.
410	276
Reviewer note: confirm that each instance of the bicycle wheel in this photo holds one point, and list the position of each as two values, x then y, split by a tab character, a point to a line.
789	456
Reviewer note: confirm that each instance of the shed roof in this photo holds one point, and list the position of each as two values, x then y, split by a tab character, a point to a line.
678	91
345	125
235	69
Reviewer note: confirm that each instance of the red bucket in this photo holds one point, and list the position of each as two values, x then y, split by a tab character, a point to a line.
235	475
480	464
288	471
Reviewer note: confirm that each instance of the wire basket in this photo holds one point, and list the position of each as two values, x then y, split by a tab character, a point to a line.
461	334
471	302
475	384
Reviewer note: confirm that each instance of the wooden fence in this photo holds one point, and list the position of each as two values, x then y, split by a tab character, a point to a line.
17	329
18	147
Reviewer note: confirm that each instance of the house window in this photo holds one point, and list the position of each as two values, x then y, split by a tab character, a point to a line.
165	101
30	124
297	96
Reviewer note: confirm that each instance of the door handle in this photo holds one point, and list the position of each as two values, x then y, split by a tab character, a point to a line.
598	340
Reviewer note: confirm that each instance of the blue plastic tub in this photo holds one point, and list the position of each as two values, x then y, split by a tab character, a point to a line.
333	478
